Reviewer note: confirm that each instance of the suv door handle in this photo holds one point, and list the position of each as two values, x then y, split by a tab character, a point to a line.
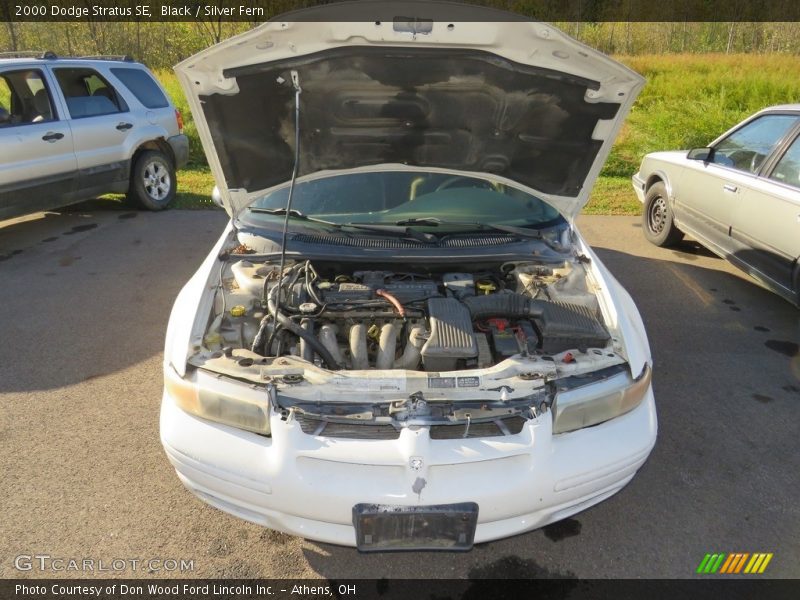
730	188
52	137
124	126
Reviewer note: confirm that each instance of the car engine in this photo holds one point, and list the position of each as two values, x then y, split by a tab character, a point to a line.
380	319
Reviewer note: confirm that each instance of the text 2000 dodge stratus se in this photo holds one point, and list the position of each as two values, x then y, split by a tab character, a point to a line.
401	341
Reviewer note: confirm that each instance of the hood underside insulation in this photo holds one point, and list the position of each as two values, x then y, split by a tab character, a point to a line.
456	109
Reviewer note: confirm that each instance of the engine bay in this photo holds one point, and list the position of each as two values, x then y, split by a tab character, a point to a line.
436	320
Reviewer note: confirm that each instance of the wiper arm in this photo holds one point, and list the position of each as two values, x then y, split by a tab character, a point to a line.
436	221
293	213
276	211
426	238
432	221
520	231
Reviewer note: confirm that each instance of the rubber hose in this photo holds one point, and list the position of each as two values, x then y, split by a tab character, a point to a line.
394	301
312	341
260	340
306	351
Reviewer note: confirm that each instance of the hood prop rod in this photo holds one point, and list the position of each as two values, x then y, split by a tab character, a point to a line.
297	91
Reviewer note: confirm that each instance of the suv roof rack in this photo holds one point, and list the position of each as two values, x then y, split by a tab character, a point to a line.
46	54
49	55
122	57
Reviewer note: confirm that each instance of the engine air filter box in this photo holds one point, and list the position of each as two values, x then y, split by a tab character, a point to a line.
451	339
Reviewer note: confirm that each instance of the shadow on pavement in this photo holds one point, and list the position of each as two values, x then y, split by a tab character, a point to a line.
86	293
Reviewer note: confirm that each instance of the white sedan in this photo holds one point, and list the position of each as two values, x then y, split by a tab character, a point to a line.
739	197
401	341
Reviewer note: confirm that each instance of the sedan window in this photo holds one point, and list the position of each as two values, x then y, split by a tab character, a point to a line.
747	147
788	168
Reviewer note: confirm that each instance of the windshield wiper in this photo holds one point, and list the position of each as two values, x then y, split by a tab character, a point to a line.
436	221
430	221
425	238
293	214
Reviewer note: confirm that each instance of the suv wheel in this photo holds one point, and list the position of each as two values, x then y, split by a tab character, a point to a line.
152	181
657	218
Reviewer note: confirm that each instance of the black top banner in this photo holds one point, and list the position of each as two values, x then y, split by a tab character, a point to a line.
255	11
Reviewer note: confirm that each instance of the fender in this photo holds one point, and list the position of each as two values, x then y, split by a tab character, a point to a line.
660	174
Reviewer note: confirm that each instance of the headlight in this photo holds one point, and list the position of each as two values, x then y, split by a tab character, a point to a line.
597	402
223	401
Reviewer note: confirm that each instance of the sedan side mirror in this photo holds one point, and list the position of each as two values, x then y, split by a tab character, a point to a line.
704	154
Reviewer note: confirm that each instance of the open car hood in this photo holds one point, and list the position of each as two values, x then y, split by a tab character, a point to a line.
517	100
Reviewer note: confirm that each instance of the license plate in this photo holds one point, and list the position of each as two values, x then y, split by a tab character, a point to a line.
441	527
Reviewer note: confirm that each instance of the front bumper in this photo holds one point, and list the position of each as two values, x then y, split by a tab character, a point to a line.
638	186
307	486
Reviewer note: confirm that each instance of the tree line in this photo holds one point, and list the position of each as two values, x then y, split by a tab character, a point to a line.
163	44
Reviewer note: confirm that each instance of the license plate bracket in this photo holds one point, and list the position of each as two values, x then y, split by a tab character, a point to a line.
383	527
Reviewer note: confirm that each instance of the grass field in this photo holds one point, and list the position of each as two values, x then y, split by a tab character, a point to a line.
688	100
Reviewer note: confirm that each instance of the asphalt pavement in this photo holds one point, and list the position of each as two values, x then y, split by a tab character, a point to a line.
85	297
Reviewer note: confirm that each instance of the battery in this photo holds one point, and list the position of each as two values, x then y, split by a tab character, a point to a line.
504	340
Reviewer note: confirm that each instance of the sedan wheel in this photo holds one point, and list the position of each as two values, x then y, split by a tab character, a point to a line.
657	219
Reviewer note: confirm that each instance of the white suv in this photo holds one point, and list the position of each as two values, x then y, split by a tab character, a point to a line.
75	128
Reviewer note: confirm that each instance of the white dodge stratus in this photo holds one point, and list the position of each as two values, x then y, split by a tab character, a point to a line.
401	341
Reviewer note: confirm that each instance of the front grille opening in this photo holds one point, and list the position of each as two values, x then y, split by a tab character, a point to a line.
353	431
496	428
382	431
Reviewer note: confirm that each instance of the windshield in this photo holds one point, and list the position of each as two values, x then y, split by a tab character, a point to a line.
389	197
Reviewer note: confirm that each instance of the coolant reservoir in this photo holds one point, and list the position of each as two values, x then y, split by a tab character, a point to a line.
249	277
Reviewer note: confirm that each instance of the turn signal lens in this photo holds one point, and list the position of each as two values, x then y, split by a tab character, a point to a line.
179	120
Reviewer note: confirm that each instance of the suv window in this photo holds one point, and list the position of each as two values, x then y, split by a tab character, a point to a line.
5	102
747	147
87	93
141	85
24	98
788	168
